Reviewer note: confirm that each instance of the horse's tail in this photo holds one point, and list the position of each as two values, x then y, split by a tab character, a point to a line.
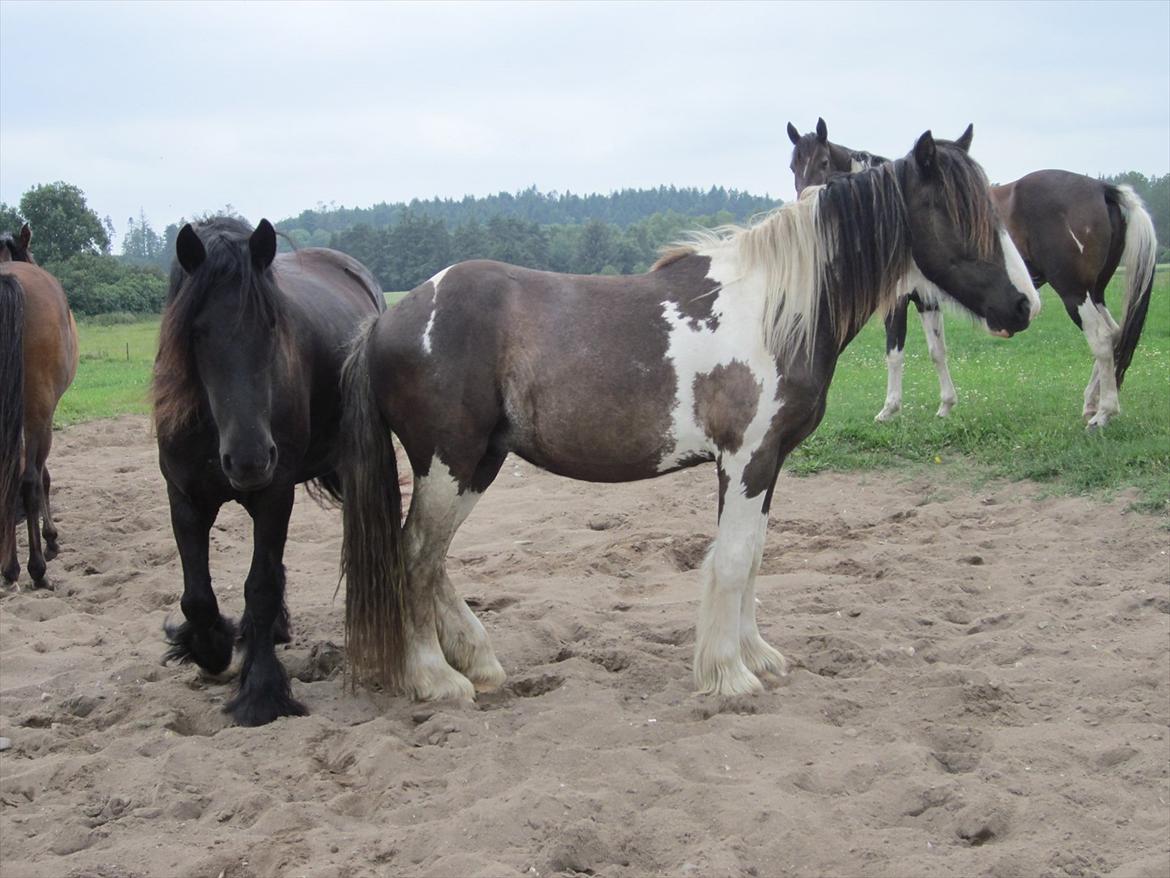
1139	258
11	406
371	549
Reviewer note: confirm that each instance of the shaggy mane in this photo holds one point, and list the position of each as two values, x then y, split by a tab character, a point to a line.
176	392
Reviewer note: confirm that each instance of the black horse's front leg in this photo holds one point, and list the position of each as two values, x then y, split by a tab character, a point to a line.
265	693
206	637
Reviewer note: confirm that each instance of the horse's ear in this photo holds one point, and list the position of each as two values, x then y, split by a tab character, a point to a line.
189	249
964	141
25	236
793	134
822	131
924	153
262	245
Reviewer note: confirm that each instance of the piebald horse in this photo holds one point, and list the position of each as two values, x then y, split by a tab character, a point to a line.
246	406
1073	232
722	352
39	353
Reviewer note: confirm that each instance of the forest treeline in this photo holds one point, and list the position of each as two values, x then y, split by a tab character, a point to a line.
405	243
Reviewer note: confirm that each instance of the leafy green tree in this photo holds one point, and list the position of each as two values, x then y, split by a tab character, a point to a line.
100	284
63	224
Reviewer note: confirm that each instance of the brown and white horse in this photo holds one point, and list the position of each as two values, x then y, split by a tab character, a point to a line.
723	352
1073	232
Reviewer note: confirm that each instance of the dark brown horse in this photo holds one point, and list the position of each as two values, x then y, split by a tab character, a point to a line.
247	405
1073	232
38	359
723	352
15	248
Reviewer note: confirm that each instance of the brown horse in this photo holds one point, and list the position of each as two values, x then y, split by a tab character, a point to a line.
1073	232
38	359
722	353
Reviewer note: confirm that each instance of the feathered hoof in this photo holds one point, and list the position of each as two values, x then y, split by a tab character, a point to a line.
887	414
944	409
438	681
259	703
730	678
210	648
763	658
486	675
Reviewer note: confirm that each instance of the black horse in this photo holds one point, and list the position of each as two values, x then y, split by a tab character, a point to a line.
14	248
1072	231
246	406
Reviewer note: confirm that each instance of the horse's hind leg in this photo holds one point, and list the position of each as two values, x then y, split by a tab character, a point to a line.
30	492
461	635
50	529
206	637
936	343
265	692
435	508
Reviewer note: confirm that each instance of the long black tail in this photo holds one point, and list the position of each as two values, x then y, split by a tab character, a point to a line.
1139	259
11	407
371	550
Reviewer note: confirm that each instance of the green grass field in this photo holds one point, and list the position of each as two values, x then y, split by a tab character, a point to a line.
1018	414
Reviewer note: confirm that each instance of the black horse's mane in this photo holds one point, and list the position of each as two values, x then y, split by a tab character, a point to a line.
870	229
228	263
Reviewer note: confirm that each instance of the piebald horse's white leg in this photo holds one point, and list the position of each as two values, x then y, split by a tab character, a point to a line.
758	654
895	364
936	342
430	525
1101	332
726	575
461	635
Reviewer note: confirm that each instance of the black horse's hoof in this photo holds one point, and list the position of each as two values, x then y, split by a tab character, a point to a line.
52	550
210	648
11	573
252	707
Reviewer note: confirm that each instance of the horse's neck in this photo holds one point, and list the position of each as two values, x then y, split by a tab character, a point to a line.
840	157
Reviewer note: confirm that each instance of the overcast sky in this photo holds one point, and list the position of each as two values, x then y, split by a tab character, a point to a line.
272	107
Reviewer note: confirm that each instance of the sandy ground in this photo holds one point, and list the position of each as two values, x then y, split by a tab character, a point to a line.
981	687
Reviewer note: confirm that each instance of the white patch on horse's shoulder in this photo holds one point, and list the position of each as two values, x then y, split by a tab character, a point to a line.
855	166
1076	241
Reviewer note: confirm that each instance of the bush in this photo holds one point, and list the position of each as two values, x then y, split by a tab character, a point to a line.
97	284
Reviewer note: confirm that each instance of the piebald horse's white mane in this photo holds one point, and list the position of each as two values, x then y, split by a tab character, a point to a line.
796	248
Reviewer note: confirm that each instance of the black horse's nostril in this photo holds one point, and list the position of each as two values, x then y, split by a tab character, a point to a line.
1024	309
227	463
271	455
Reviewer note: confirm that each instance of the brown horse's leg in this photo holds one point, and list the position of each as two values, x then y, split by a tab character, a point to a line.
50	527
30	491
265	692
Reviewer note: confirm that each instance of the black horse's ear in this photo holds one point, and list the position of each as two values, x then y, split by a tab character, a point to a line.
793	134
25	236
924	153
189	249
262	245
822	131
964	141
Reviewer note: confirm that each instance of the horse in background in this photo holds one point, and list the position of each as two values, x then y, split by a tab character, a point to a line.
15	248
722	353
1073	232
246	394
39	353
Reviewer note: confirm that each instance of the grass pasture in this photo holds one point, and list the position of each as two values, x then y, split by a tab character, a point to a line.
1018	414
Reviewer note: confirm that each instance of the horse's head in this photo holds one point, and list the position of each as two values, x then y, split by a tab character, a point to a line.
235	334
958	242
16	249
812	161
